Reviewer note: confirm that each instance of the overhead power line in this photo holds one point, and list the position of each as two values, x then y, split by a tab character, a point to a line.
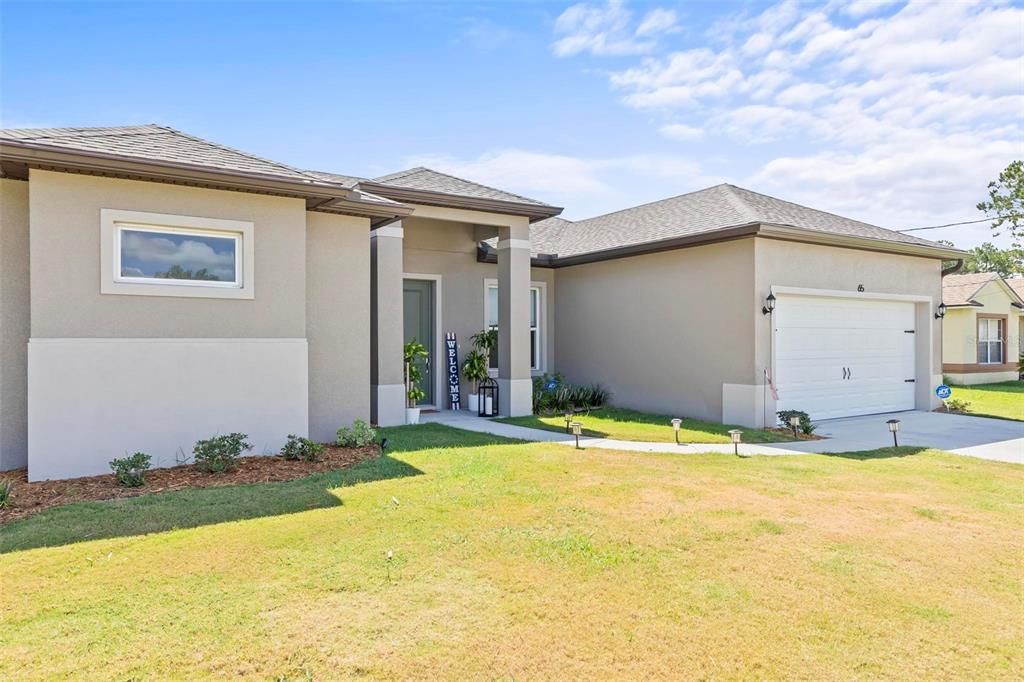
936	227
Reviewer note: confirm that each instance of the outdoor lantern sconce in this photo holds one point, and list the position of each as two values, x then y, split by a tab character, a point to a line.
794	423
676	423
940	312
894	427
488	398
737	437
769	305
577	429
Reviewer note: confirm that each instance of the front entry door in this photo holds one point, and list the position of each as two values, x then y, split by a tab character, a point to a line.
418	304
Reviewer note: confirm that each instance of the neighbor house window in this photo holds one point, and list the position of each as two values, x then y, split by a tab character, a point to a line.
536	317
166	255
991	336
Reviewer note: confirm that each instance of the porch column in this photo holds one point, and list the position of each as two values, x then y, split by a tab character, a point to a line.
514	383
387	380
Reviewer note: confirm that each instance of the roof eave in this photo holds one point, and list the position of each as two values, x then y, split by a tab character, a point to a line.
47	157
792	233
533	212
727	234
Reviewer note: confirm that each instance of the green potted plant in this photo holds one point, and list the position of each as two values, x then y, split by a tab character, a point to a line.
413	351
477	363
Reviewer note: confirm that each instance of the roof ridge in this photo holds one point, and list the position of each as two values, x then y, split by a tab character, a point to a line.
810	208
650	203
421	169
738	203
240	152
139	129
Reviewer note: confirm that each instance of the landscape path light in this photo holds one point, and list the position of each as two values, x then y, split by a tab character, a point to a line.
568	420
577	429
794	423
676	423
737	437
894	427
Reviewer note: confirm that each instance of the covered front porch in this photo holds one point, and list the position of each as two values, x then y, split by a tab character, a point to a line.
427	282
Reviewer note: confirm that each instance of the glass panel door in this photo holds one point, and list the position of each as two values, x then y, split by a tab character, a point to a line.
418	305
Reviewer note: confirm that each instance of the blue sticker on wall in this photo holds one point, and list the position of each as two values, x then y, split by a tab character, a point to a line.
943	391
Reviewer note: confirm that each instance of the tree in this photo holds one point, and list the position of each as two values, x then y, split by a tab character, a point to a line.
990	258
1005	203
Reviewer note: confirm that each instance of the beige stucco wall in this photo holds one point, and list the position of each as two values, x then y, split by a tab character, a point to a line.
449	249
65	252
960	337
791	264
14	323
337	321
662	331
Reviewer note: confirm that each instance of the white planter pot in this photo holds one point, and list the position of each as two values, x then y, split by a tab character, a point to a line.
473	402
412	415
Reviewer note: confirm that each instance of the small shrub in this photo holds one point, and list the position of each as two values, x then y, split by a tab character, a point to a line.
220	453
359	435
551	393
301	448
6	489
131	471
806	427
958	405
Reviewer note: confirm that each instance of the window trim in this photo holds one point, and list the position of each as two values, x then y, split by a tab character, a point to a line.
542	297
1002	333
114	221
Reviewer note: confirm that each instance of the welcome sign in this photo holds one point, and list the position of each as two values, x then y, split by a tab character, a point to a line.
452	350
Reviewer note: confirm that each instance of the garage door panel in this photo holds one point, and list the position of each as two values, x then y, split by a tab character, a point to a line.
838	357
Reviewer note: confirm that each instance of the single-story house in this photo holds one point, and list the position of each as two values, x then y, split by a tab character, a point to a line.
981	332
157	288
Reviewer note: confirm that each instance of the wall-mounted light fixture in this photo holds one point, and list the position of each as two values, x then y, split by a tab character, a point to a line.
940	312
769	305
676	423
736	436
894	427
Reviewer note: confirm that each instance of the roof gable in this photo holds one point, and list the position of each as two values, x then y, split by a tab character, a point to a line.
962	290
428	180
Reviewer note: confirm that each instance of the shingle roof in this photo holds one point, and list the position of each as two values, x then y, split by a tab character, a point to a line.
428	180
704	211
1017	284
961	289
156	143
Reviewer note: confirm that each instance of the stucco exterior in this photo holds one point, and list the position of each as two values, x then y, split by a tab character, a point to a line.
14	323
664	331
337	321
960	337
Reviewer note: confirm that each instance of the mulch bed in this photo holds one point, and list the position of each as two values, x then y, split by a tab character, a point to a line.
30	498
782	431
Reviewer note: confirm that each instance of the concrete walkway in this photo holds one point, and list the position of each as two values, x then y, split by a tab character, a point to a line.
994	439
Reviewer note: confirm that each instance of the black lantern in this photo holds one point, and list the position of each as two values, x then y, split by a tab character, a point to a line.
941	312
769	305
488	398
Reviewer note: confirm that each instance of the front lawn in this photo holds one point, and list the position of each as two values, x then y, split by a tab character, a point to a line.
622	424
1004	400
506	560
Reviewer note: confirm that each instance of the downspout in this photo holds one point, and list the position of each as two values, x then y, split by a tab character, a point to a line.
953	268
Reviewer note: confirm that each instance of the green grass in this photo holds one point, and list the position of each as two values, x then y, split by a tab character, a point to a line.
621	424
1004	400
515	561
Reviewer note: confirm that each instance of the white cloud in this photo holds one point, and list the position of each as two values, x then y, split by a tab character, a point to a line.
681	131
589	185
898	111
606	30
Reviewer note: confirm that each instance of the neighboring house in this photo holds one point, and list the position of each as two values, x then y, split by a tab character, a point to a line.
981	333
156	288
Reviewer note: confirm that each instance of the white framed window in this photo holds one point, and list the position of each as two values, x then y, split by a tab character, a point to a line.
156	254
991	336
538	302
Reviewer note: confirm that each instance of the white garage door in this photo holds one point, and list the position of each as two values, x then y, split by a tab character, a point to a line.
839	357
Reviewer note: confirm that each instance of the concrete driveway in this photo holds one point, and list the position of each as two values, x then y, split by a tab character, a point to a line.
995	439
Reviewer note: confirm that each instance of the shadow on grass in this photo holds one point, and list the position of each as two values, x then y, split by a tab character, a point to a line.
192	507
880	453
195	507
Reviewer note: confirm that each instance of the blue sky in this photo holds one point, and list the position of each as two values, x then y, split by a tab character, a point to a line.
896	113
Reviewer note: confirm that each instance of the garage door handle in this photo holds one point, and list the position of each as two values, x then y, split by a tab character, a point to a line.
908	381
